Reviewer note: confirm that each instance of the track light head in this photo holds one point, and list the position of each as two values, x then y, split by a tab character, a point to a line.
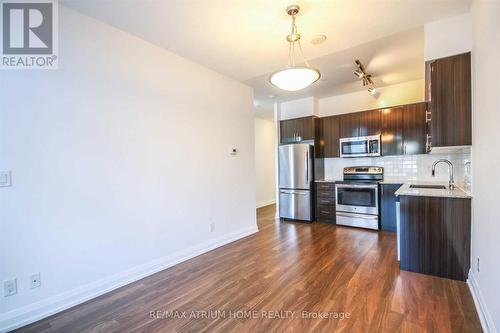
359	73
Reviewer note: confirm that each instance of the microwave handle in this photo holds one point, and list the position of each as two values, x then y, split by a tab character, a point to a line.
368	147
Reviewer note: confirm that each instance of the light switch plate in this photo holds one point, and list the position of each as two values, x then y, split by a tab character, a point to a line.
9	287
5	178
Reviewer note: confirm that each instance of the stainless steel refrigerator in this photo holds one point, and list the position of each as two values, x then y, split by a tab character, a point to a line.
295	181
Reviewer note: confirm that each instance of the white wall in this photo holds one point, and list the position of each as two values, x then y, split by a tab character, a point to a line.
265	154
486	161
120	161
403	93
297	108
448	37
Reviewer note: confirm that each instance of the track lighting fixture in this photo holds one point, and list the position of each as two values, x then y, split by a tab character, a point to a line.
366	78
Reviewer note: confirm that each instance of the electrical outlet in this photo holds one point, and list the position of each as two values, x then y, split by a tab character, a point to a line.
478	264
9	287
35	281
212	227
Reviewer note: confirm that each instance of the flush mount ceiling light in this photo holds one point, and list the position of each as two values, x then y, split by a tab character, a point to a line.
367	78
294	77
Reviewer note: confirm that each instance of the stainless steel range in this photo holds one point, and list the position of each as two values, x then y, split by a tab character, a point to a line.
357	202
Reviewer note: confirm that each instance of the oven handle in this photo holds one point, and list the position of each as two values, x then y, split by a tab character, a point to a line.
358	216
375	186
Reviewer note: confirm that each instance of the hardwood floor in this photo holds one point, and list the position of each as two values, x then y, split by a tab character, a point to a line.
297	267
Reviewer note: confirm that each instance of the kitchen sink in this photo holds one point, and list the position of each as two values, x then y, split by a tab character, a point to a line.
434	187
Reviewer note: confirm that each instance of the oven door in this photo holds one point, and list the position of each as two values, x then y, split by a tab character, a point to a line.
357	198
354	147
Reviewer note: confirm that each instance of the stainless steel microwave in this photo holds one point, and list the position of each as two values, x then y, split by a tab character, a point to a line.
360	146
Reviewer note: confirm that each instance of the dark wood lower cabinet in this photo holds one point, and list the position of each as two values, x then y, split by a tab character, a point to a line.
435	236
325	202
388	206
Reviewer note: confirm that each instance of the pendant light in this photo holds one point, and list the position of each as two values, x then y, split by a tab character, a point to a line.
294	77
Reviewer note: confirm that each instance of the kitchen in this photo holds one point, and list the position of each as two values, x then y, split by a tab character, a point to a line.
321	166
403	169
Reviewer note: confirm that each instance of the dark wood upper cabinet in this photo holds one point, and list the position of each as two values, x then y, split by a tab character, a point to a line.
392	131
349	125
370	122
287	131
403	130
414	129
450	101
299	129
330	136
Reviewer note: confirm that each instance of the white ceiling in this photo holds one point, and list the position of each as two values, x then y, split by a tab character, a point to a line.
391	60
245	39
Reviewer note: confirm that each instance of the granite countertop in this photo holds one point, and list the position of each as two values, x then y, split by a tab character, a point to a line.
326	180
458	192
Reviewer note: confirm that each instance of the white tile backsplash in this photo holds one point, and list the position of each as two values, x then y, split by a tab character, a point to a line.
406	167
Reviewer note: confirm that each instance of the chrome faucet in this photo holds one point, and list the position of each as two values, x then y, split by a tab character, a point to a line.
451	183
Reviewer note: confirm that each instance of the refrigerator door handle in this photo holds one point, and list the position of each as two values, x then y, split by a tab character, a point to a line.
307	167
293	192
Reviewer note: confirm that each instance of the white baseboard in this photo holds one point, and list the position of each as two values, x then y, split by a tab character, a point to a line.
47	307
265	203
482	310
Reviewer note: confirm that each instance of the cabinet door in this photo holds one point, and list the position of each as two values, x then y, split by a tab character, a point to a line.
435	236
392	131
415	129
349	125
369	122
287	131
325	202
451	101
305	128
388	206
330	136
293	129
